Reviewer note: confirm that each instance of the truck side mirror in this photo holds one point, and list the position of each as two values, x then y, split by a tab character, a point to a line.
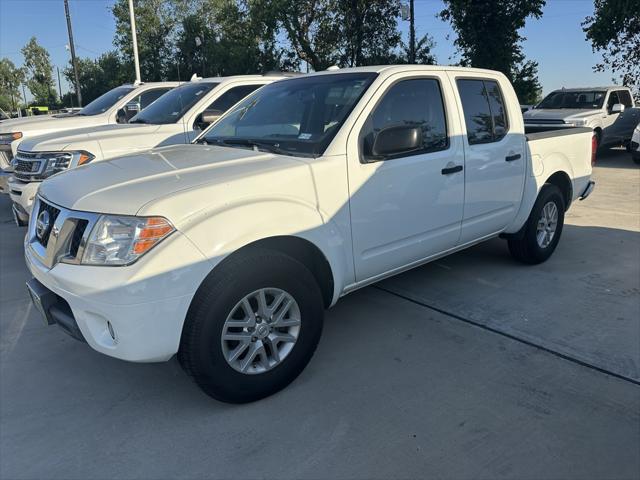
207	117
127	112
617	108
397	140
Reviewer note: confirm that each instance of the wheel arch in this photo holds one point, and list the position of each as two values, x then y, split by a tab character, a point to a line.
561	180
306	253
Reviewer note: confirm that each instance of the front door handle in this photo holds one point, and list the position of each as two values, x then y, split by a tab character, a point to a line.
450	170
512	158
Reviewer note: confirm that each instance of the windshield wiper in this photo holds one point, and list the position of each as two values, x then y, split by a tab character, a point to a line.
248	142
140	120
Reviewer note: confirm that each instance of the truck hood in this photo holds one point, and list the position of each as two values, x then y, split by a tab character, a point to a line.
41	125
124	185
83	137
560	114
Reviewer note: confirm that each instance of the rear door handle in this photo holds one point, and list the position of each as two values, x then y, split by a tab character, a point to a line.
449	170
512	158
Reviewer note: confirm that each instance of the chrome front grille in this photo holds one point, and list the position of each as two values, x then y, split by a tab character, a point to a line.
29	166
57	234
26	168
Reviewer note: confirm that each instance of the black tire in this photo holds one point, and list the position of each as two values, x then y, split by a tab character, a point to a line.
201	353
524	246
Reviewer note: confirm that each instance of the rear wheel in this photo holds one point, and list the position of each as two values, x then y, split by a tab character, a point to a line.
252	327
541	234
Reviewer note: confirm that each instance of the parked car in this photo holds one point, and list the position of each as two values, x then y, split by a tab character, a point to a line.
178	116
609	111
634	145
227	251
115	106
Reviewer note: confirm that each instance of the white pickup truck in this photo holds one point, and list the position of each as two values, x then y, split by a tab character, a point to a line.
227	251
178	116
116	106
609	111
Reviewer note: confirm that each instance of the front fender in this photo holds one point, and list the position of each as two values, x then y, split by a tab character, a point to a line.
224	230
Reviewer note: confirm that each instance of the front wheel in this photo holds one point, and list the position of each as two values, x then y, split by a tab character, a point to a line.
253	326
541	234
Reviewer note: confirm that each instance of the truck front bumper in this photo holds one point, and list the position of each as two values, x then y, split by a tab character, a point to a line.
4	180
133	313
23	195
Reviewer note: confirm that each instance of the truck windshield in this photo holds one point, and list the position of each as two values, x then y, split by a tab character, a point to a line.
293	117
106	101
587	99
171	106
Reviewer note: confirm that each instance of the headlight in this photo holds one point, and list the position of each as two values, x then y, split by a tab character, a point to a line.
58	162
7	138
122	240
578	123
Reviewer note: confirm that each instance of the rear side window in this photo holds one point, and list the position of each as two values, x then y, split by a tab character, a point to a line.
232	96
484	110
415	102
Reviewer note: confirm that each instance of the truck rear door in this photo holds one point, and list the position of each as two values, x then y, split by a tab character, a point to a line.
405	205
494	155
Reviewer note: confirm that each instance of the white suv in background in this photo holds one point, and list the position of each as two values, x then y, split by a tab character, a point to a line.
116	106
177	117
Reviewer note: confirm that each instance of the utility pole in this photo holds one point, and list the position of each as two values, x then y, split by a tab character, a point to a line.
412	34
72	48
134	40
59	84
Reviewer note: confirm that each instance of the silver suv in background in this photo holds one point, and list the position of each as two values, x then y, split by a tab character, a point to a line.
609	111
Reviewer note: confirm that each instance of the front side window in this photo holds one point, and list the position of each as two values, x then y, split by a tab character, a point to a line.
575	99
297	116
171	106
415	102
484	110
625	98
613	99
106	101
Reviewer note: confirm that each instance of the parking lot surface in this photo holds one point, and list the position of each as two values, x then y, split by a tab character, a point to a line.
471	367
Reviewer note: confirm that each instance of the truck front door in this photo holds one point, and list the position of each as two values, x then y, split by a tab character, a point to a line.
621	124
406	204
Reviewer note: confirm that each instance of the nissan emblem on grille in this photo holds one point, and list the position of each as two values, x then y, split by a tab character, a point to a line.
43	223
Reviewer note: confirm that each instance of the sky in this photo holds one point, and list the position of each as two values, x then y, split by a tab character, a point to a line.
556	41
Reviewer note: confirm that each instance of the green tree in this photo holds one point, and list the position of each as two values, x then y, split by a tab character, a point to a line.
37	64
155	29
488	36
340	32
370	32
227	38
97	76
614	31
10	80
